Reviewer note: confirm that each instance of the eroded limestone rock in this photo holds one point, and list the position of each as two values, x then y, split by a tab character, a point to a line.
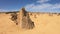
24	20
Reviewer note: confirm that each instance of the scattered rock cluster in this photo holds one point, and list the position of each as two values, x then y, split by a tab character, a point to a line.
22	19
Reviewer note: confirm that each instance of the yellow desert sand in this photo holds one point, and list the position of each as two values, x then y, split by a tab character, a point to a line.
44	23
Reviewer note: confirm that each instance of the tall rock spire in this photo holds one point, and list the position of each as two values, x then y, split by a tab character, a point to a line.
22	12
24	20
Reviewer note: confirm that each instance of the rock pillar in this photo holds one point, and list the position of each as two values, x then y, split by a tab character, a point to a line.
24	21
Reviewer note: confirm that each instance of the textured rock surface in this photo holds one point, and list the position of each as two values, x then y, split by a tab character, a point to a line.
25	21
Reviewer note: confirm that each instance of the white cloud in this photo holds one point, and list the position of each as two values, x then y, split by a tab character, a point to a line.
43	7
42	1
1	10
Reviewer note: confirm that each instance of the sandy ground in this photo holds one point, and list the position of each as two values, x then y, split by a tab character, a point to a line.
44	24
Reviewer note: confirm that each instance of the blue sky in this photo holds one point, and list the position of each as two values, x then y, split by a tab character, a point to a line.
30	5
